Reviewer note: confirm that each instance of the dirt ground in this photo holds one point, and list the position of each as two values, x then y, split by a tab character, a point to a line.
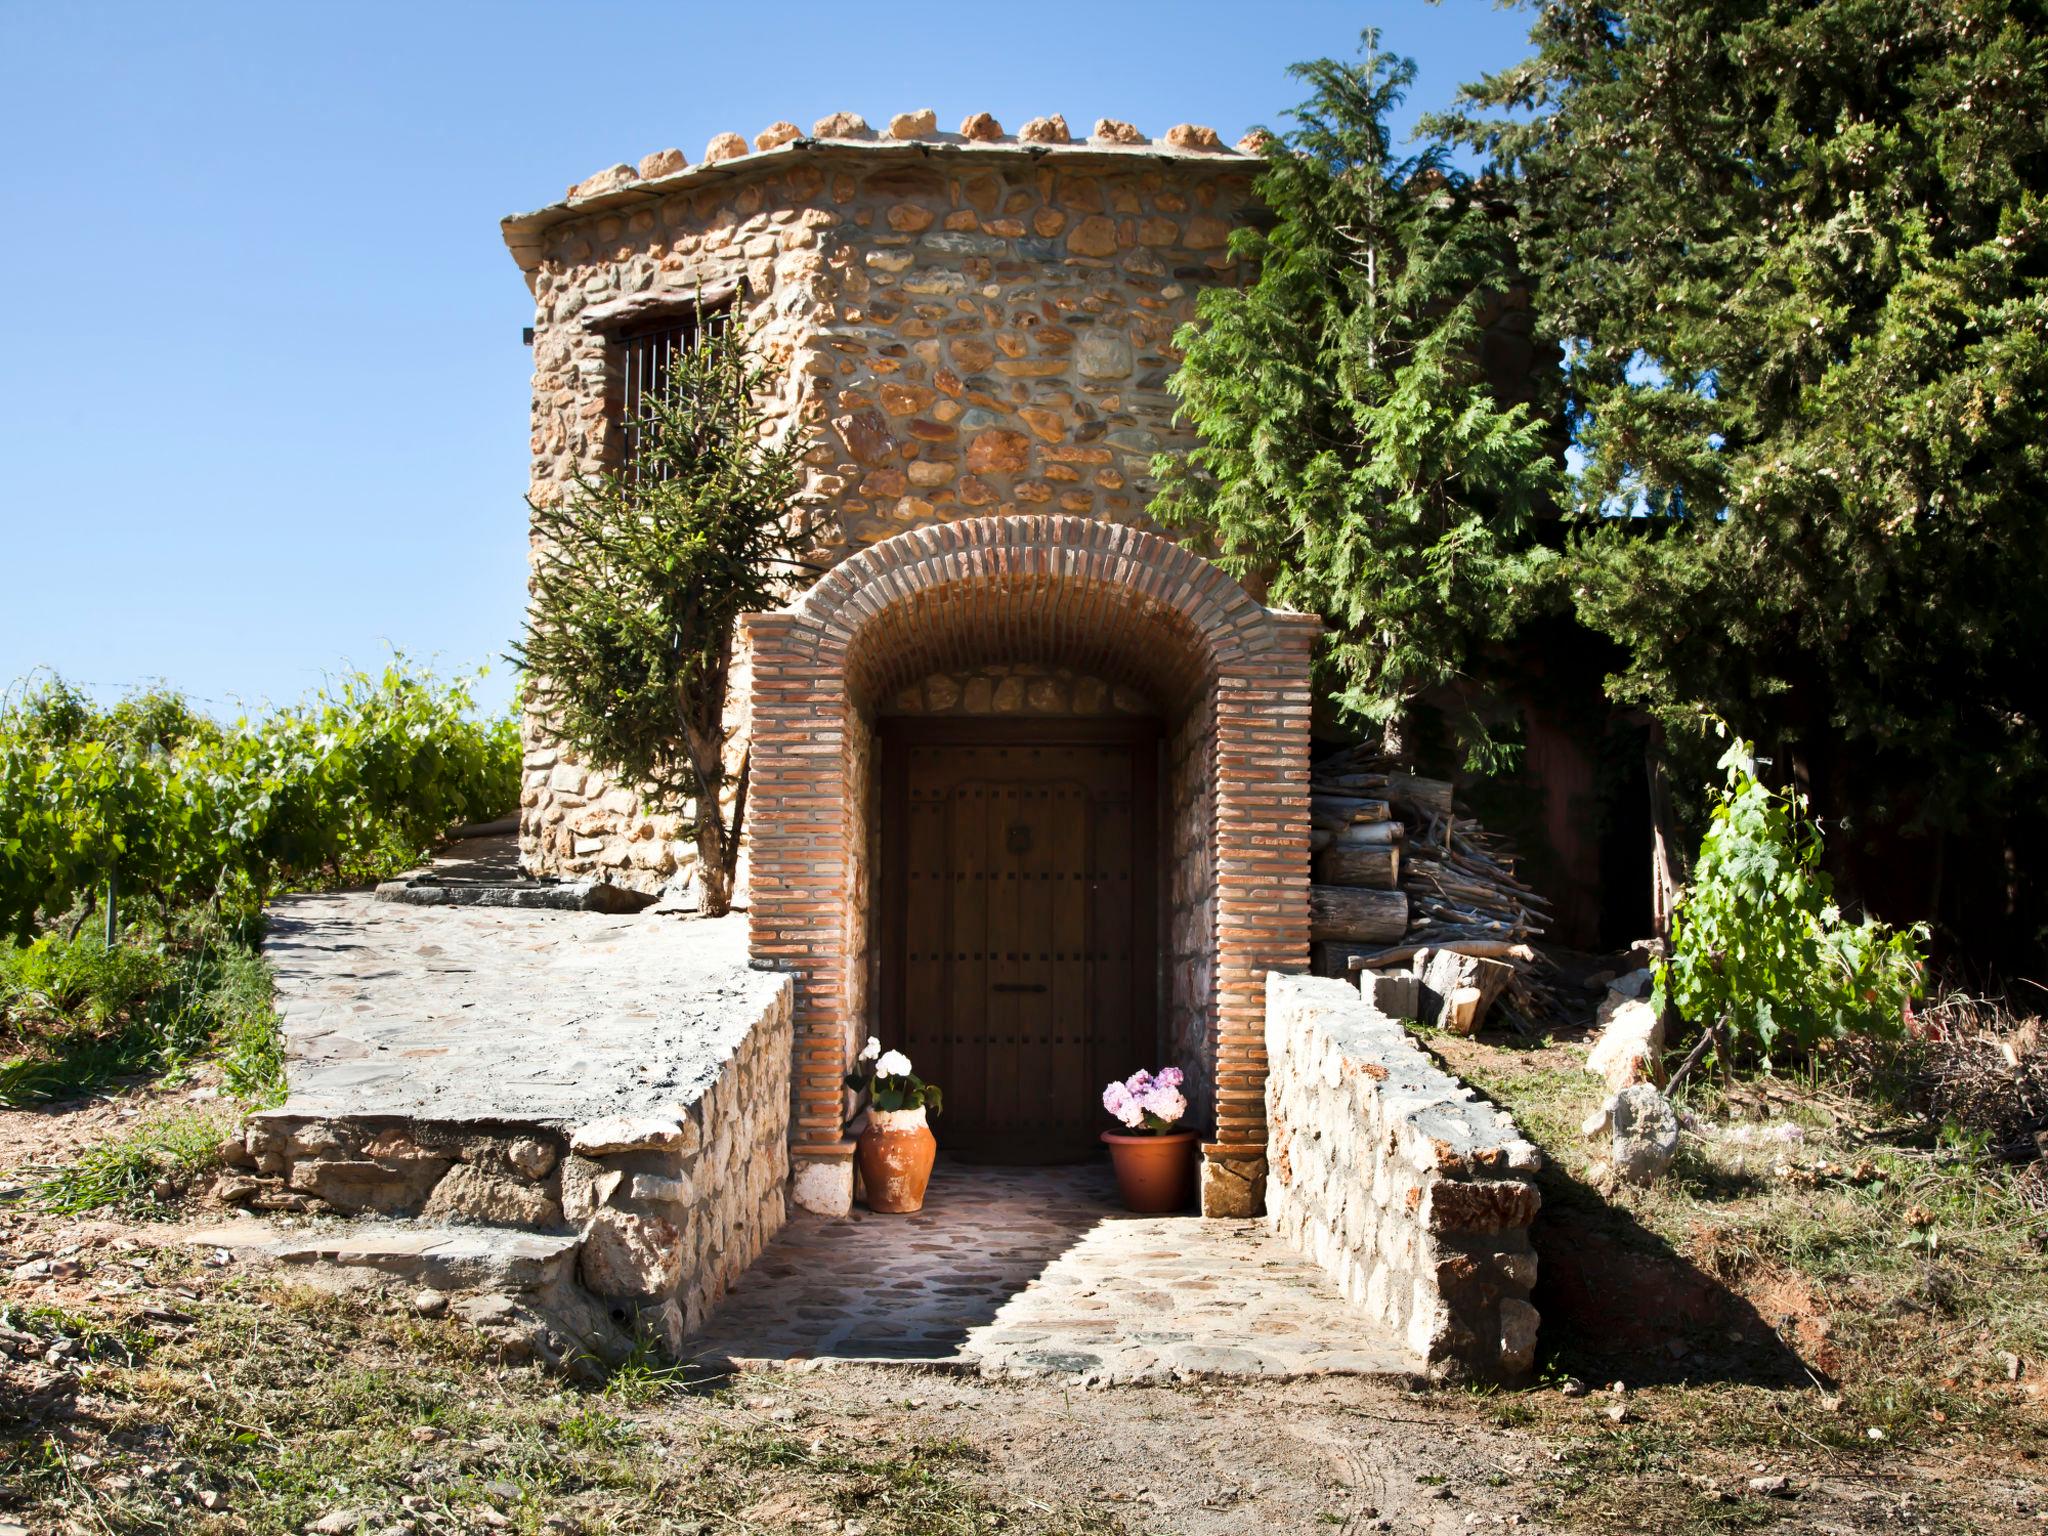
205	1393
1695	1381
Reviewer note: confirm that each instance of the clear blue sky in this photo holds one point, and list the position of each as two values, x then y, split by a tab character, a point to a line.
263	400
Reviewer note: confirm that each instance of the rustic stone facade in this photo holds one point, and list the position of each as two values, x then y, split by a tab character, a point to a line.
976	333
970	325
1388	1173
1106	601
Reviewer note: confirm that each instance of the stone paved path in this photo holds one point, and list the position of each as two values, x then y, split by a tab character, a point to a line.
1031	1272
480	1013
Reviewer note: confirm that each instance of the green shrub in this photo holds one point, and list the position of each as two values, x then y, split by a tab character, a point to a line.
80	978
148	1006
1760	952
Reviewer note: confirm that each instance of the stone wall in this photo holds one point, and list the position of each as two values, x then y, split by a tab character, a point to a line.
670	1205
968	326
1021	690
1384	1169
675	1205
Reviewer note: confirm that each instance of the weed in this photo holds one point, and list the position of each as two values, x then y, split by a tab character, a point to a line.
642	1378
79	978
146	1168
81	1015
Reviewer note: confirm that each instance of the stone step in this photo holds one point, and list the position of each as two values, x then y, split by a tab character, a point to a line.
442	1258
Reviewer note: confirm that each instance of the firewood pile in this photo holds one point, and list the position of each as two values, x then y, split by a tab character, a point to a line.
1399	874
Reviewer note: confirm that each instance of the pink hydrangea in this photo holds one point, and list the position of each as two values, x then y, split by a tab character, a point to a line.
1118	1099
1145	1102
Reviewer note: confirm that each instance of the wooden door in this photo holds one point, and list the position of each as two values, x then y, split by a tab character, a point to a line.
1019	923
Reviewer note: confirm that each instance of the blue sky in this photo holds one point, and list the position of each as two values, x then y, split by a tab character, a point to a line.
262	393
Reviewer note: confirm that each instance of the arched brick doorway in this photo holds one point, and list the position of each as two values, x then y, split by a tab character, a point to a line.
1230	679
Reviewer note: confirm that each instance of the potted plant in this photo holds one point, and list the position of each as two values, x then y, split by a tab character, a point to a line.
1155	1164
896	1146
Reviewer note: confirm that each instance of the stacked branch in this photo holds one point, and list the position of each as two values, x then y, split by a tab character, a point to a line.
1400	873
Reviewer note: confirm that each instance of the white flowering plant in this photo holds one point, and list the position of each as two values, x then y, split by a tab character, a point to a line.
889	1083
1145	1103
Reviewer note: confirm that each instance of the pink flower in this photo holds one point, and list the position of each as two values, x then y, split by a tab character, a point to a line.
1119	1101
1144	1102
1164	1102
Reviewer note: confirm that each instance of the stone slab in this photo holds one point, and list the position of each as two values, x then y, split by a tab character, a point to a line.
504	1016
446	1258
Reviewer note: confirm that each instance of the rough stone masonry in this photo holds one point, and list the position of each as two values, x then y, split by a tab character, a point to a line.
969	324
1391	1175
610	1091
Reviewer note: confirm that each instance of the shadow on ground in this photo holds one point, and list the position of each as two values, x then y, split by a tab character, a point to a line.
1619	1299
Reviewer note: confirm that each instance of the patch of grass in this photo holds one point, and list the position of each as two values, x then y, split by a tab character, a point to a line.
95	1338
280	1407
1889	1269
142	1170
79	979
75	1016
642	1377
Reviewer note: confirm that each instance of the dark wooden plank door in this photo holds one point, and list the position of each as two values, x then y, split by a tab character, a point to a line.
1019	924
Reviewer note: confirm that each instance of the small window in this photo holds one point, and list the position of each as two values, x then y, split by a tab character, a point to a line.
646	354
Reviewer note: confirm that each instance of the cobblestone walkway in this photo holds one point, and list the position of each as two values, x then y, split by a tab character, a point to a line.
1032	1272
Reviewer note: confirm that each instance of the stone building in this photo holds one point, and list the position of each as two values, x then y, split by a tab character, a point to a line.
1028	777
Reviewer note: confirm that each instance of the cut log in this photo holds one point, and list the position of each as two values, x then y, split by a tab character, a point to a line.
1461	1011
1349	807
1367	864
1370	832
1369	959
1458	989
1351	915
1334	959
1432	796
1395	993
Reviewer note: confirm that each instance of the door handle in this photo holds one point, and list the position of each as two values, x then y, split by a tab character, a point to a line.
1019	986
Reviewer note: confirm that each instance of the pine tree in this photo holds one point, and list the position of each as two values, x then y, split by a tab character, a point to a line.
1354	457
1796	250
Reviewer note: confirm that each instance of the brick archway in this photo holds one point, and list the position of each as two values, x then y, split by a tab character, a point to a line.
1233	677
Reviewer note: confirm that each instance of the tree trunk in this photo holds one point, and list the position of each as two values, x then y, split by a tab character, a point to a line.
714	861
1667	853
714	874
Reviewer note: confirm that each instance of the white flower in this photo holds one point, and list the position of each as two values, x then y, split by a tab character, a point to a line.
893	1064
872	1049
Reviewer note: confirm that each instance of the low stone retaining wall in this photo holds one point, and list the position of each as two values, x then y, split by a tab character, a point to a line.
668	1206
1387	1172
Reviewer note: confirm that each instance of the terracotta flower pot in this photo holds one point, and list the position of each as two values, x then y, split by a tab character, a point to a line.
896	1152
1154	1173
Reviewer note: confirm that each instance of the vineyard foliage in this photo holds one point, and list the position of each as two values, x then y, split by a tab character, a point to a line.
183	810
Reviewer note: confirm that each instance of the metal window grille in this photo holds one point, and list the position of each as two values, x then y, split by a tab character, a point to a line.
647	355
